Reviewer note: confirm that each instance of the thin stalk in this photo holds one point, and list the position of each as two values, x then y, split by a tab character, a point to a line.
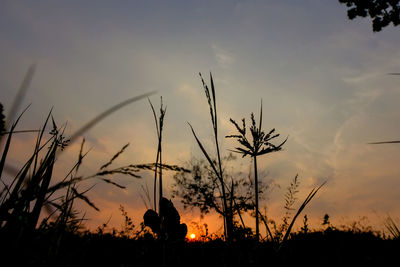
157	157
228	213
158	164
155	181
160	169
256	196
266	225
227	217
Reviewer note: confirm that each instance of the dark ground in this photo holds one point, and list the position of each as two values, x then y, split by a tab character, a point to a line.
324	248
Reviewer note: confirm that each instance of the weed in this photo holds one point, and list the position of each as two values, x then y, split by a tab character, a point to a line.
259	145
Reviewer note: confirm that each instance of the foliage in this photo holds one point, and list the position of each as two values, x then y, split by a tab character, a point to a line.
382	12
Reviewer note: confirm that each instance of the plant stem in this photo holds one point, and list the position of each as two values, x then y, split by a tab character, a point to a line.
155	181
160	168
227	215
256	195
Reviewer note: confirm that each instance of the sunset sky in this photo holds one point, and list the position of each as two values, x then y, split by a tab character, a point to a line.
323	80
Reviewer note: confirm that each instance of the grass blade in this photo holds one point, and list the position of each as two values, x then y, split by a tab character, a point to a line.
305	203
205	152
106	113
21	94
384	142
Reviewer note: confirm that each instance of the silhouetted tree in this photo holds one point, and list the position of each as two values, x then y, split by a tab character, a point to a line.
382	12
200	189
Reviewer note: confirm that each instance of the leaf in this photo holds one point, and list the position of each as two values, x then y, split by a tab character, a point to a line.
214	102
205	153
8	142
155	118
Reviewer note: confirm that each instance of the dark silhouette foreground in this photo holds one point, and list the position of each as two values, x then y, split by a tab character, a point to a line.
330	247
167	224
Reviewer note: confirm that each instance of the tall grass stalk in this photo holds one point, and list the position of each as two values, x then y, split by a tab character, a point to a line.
217	167
259	145
158	167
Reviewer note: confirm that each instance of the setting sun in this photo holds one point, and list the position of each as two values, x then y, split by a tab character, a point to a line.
192	236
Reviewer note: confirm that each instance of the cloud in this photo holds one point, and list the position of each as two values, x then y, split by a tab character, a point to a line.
224	58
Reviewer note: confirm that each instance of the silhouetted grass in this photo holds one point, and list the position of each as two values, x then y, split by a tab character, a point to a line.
216	166
60	239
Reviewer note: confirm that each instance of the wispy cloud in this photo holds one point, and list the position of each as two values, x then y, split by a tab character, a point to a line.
224	58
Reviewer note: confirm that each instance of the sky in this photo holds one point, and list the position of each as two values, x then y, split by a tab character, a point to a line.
323	80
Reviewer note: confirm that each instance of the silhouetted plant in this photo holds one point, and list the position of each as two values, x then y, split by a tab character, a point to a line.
282	232
392	227
259	145
158	171
216	166
128	228
166	224
22	200
305	228
309	197
290	199
325	221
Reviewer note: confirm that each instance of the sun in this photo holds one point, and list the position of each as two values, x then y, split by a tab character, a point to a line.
192	236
